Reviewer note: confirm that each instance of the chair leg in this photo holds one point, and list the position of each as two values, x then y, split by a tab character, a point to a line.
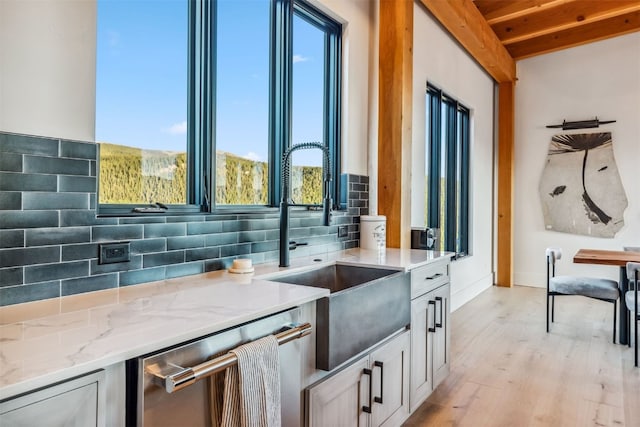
635	320
547	313
553	308
615	310
629	330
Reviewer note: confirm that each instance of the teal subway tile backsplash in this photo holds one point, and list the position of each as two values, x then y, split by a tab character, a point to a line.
62	270
78	150
26	144
27	256
57	236
48	201
11	162
88	284
11	238
11	276
27	293
10	200
55	166
14	181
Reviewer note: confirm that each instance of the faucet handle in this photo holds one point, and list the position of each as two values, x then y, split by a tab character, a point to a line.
293	245
327	212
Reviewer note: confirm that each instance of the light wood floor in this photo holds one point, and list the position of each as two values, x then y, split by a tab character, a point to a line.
507	371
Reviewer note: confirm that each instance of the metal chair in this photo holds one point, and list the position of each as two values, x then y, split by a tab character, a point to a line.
591	287
631	299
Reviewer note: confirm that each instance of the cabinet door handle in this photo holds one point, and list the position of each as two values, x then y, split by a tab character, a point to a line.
366	408
434	317
439	325
435	276
381	366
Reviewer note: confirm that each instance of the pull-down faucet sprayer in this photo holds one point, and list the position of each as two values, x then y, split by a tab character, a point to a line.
286	201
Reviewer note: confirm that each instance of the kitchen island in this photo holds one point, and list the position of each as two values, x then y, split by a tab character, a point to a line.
49	341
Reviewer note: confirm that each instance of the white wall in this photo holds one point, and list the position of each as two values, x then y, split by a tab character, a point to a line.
47	71
440	60
47	68
600	79
356	16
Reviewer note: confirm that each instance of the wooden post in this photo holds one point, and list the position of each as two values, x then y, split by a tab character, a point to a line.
394	119
505	184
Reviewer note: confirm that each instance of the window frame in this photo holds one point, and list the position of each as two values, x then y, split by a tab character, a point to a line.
201	108
448	199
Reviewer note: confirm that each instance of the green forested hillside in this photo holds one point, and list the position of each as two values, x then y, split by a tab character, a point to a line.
135	176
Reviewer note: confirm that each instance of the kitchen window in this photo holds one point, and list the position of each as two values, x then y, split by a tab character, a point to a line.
447	177
197	100
141	100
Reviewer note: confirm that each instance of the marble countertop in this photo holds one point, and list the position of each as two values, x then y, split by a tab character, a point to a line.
51	340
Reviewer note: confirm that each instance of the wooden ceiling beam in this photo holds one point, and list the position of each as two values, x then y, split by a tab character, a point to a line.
496	11
551	20
588	33
466	24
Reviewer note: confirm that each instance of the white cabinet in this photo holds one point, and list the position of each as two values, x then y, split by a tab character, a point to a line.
76	403
421	350
390	379
430	334
441	335
372	391
337	401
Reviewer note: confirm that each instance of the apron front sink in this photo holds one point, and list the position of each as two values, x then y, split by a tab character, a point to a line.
365	306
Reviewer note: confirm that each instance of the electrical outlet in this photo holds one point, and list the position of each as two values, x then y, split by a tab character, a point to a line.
111	253
343	231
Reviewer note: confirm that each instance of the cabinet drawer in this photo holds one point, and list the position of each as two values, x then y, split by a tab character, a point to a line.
75	403
429	277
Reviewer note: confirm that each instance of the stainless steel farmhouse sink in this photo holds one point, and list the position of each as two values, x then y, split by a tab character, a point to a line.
365	306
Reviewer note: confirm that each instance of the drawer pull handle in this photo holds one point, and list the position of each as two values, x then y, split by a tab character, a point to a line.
439	324
434	317
435	276
380	365
366	371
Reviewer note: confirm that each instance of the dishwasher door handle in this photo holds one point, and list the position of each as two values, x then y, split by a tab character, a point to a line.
187	376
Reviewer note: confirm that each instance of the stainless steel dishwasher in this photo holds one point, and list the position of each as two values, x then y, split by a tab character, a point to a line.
172	387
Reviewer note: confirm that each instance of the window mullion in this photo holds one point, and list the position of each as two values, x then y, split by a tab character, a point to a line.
201	117
333	52
192	98
450	209
433	204
207	146
464	184
281	64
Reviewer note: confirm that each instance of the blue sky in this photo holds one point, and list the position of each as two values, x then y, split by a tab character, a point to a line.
142	73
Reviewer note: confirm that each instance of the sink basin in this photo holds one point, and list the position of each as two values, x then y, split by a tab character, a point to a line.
365	306
335	277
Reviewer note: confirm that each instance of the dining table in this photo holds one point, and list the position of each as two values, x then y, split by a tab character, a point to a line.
614	258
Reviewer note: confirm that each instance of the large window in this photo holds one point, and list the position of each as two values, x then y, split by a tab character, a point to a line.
447	176
197	100
141	101
242	103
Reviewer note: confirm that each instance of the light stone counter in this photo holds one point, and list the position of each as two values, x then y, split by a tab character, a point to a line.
51	340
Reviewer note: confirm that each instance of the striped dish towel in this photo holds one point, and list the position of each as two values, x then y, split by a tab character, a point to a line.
252	387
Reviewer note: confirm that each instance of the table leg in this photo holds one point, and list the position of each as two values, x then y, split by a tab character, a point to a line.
623	284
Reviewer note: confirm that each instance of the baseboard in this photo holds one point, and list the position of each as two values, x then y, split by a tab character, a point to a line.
463	296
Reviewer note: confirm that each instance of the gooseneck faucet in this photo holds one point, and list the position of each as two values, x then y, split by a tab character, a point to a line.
286	201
